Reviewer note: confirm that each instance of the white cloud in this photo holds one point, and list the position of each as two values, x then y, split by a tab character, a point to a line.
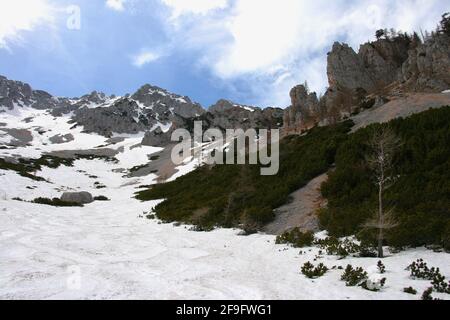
144	57
199	7
274	44
117	5
17	16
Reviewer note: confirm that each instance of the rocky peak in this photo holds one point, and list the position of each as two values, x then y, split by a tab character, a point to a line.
346	69
226	106
16	94
163	101
304	108
225	114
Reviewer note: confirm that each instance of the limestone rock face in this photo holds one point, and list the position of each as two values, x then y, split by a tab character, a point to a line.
346	69
377	64
382	59
18	94
229	115
77	197
304	108
148	109
428	66
156	138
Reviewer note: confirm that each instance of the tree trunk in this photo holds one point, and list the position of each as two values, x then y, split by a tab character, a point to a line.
380	230
380	213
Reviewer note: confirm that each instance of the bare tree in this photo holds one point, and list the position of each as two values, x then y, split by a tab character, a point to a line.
384	143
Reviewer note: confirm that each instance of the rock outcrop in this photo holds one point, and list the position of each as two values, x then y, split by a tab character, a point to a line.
391	65
77	197
428	66
304	109
345	69
18	94
229	115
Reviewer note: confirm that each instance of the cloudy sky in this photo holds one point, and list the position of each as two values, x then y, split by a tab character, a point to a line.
248	51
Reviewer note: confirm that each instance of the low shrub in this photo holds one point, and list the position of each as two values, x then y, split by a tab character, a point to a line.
312	272
440	285
56	202
296	238
426	295
101	198
410	290
419	270
354	277
344	248
381	267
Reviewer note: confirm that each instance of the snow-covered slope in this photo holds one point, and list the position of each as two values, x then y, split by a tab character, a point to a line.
108	250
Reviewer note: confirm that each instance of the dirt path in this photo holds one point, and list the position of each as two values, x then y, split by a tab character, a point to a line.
301	211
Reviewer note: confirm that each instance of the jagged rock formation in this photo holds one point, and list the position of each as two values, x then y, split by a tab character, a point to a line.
18	94
148	109
389	65
229	115
304	108
428	66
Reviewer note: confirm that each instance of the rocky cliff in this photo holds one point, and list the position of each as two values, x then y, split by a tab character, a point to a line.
394	63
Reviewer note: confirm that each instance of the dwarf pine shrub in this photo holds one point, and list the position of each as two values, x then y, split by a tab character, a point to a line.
296	238
381	267
312	272
410	290
419	270
354	277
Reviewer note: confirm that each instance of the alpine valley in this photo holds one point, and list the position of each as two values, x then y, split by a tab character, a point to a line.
92	207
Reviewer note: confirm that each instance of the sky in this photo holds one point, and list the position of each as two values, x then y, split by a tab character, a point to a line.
248	51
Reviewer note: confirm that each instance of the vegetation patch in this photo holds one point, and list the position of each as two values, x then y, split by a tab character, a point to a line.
420	270
56	202
237	195
296	238
410	290
101	198
420	195
354	277
312	272
27	167
346	247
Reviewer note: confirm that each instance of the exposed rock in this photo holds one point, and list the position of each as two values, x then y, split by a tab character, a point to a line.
229	115
22	137
346	69
58	139
150	109
382	60
428	66
77	197
124	116
163	102
18	94
304	109
156	138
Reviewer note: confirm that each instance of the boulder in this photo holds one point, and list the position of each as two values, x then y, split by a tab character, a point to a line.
77	197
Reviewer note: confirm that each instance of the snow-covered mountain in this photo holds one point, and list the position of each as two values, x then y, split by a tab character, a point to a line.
150	110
